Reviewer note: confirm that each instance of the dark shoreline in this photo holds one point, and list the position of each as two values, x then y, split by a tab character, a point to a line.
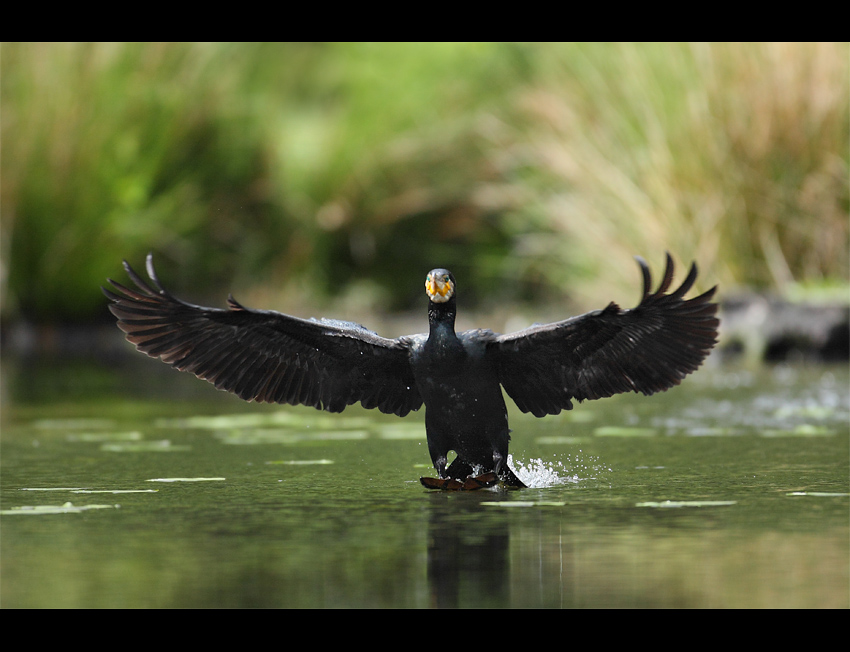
754	328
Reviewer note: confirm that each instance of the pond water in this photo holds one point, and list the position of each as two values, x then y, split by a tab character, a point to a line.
130	485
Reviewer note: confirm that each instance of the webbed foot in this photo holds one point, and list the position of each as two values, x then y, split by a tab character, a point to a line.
471	483
480	481
446	484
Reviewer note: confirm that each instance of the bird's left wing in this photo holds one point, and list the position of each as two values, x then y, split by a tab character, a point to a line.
267	356
647	349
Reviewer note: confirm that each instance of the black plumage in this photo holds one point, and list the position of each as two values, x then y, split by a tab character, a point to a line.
262	355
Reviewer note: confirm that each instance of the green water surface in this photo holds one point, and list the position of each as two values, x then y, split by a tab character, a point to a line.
142	487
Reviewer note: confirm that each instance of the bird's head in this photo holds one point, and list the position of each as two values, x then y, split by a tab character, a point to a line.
440	285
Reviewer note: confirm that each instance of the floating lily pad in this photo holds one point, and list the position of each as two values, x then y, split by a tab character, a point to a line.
402	431
231	421
186	479
706	431
114	491
301	462
67	508
624	431
133	435
160	446
803	430
52	488
808	411
287	436
82	490
224	422
688	503
524	503
560	439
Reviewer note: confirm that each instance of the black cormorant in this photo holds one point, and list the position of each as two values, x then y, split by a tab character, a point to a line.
262	355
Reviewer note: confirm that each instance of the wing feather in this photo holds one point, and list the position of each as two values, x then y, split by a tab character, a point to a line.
647	349
264	355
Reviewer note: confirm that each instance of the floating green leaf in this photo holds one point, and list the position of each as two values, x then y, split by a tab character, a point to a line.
160	446
186	479
301	462
51	489
402	431
115	491
287	436
624	431
560	439
524	503
133	435
803	430
688	503
67	508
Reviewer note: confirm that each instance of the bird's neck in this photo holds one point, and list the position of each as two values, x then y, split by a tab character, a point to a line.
441	321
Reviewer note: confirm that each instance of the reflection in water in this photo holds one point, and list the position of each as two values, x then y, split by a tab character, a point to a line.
467	553
469	542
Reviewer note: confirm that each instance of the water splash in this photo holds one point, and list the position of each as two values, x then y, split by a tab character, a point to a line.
538	473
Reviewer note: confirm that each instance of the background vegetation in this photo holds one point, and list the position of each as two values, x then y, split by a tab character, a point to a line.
295	173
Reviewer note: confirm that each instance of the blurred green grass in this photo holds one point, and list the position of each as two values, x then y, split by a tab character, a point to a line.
293	173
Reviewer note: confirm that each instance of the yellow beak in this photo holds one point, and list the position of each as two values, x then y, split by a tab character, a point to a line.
439	291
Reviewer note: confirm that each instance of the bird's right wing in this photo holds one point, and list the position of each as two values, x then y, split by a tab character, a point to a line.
646	349
266	356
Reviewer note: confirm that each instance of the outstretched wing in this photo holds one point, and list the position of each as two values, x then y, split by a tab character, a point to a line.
647	349
267	356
